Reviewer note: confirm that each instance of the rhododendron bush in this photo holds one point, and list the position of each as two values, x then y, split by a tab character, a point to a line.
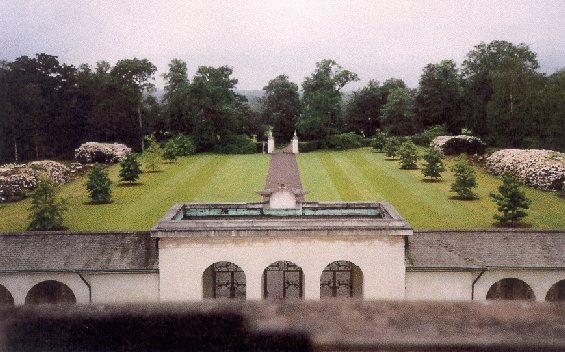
451	145
542	169
94	152
15	179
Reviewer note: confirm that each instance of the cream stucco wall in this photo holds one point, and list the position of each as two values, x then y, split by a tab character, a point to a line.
19	284
106	287
433	285
123	288
539	280
182	262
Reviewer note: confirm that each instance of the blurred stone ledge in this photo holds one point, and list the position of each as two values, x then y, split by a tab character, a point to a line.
329	325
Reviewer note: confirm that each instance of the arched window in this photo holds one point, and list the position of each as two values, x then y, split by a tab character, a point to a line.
511	288
223	280
50	292
283	279
556	292
5	297
341	279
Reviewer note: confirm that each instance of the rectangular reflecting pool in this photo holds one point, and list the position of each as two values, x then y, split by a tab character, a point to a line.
372	210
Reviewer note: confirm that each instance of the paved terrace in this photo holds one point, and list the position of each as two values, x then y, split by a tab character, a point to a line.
283	169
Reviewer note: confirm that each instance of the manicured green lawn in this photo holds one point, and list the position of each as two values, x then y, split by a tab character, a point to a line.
361	175
356	175
200	178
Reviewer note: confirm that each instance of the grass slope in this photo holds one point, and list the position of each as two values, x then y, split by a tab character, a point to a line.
199	178
361	175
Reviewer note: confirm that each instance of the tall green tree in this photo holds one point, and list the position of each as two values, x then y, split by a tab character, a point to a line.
176	98
439	97
478	73
136	75
213	106
363	109
397	115
551	126
514	112
321	100
281	106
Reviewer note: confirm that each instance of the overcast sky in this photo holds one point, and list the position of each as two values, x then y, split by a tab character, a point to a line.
262	39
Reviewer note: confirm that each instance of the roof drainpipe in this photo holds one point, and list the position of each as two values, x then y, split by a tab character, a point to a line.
87	285
474	282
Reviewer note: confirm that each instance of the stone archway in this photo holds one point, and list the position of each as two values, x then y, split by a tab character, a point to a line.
556	292
6	297
511	289
282	280
224	280
341	279
50	292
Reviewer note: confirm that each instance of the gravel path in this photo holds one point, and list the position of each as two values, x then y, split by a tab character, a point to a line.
283	169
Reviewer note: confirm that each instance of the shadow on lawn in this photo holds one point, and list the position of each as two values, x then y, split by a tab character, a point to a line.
463	199
427	180
90	202
512	225
130	184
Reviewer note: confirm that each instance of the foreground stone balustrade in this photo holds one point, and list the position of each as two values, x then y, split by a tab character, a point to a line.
332	325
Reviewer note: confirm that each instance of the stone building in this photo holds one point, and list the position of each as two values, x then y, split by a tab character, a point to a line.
251	251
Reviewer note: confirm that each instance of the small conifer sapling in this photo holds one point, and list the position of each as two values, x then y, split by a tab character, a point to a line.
170	151
379	141
433	166
408	154
130	168
391	147
98	185
46	212
510	201
152	155
465	179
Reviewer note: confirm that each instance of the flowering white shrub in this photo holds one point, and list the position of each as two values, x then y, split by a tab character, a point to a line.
450	145
542	169
94	152
16	178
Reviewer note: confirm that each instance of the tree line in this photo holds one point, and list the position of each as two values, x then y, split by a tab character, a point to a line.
48	108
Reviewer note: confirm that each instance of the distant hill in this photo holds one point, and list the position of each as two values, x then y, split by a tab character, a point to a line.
253	97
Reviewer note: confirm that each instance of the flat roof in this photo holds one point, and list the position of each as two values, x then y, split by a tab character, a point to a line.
253	219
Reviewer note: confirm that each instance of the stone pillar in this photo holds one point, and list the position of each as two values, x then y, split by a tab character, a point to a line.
311	283
295	143
270	143
254	285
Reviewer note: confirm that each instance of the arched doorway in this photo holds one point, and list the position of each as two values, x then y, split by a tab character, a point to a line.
341	279
5	297
556	292
283	279
50	292
511	288
223	280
